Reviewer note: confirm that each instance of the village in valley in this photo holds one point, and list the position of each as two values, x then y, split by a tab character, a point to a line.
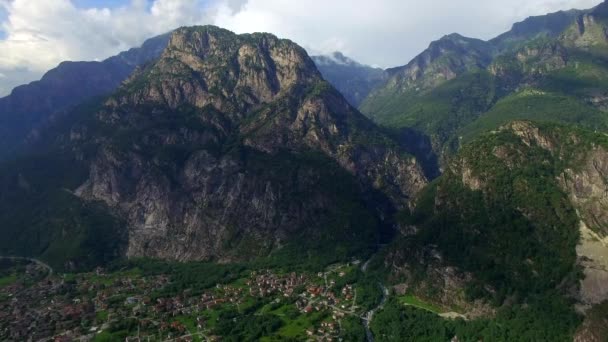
126	305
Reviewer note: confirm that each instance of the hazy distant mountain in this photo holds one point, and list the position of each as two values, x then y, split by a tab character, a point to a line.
354	80
30	106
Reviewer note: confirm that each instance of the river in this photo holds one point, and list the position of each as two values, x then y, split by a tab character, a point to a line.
367	318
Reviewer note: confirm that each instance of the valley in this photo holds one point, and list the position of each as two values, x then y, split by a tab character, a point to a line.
220	186
136	301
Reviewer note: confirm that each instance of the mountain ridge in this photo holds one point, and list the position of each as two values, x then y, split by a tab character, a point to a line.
550	55
30	107
178	154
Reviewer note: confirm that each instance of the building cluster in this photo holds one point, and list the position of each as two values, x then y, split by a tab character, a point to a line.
266	283
42	310
64	308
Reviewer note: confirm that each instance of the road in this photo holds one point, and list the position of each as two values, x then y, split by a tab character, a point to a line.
36	261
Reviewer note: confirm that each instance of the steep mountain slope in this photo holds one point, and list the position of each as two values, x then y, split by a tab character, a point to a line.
512	219
31	106
444	60
561	80
428	93
551	68
230	147
354	80
589	29
551	25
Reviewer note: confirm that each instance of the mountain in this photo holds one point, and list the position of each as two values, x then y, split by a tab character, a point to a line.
444	60
354	80
74	83
589	30
512	234
478	196
546	68
29	107
515	217
227	147
544	26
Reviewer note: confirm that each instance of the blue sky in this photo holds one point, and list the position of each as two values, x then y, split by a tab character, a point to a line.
42	33
3	16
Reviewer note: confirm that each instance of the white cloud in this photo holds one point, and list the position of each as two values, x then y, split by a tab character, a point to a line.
384	32
42	33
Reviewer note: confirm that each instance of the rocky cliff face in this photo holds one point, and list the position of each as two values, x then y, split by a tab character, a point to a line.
585	177
595	326
589	30
587	186
585	181
529	63
232	145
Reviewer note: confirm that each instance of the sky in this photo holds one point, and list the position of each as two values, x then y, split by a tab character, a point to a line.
36	35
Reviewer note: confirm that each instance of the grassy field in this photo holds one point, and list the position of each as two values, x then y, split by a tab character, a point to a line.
296	328
416	302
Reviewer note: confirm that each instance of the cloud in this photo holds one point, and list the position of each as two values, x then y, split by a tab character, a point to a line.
39	34
384	32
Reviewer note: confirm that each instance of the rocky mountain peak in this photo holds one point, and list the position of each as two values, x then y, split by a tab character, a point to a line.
442	61
453	40
226	141
207	65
